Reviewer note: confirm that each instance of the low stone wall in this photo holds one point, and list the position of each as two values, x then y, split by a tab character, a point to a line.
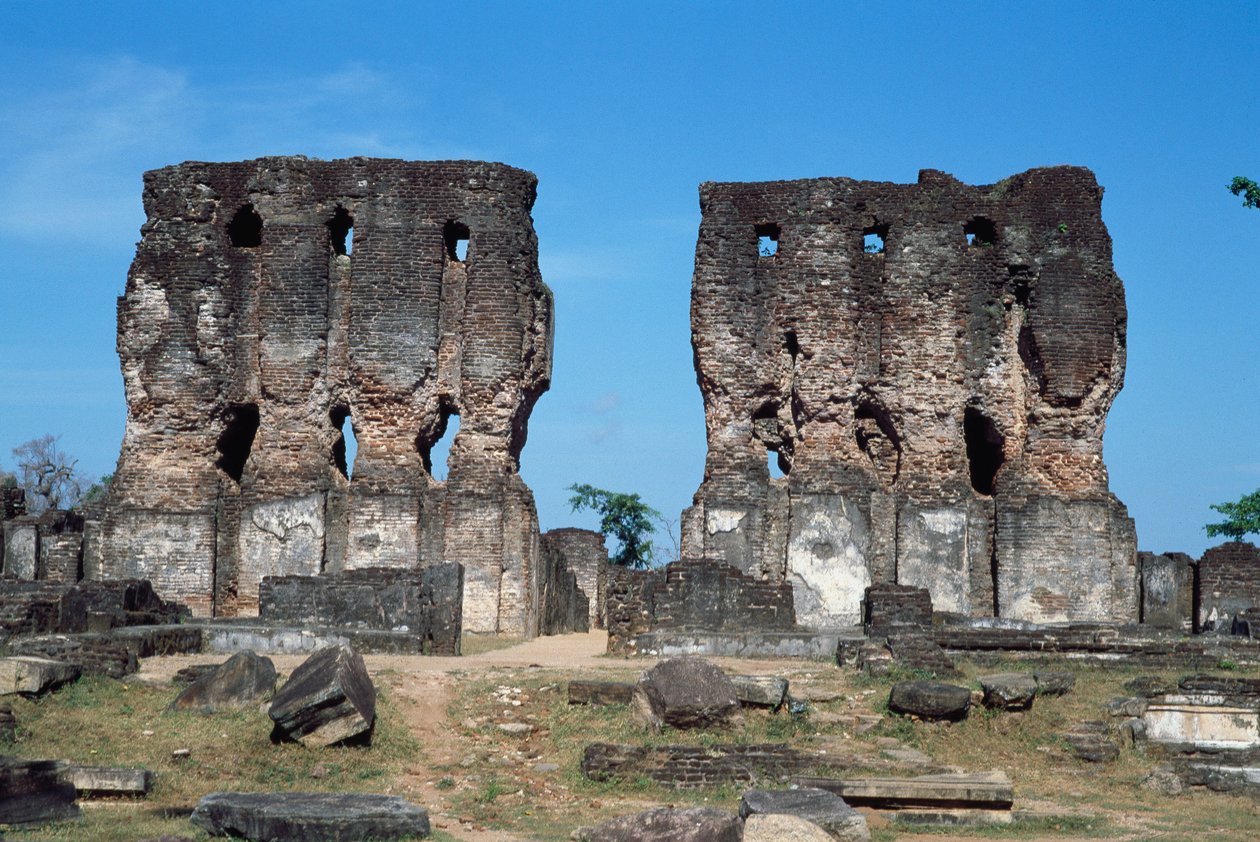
45	607
887	606
427	602
689	767
694	595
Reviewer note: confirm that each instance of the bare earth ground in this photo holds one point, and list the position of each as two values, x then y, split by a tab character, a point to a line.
424	688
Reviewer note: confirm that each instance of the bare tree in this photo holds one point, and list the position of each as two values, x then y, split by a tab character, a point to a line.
48	474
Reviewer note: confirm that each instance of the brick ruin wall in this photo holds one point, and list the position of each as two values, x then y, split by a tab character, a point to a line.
931	366
273	300
424	602
1228	583
586	555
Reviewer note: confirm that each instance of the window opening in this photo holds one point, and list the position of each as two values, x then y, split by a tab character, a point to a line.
341	231
984	449
767	239
778	466
873	239
436	454
980	232
245	229
346	447
457	236
237	439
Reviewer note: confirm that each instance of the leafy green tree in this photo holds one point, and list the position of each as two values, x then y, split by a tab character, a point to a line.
1248	189
97	490
624	517
1240	518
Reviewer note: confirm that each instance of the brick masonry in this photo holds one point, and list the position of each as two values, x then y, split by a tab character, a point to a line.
274	302
931	366
1229	583
586	555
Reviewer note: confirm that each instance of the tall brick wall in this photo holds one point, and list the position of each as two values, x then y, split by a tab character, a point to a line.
270	301
586	556
936	400
1229	582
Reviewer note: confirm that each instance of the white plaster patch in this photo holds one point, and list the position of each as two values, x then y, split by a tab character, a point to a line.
932	554
281	538
826	560
1028	608
1204	727
723	520
19	555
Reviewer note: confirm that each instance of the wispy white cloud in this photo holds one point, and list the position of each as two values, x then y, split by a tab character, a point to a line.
606	403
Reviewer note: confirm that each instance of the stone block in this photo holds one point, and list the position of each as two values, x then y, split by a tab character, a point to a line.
767	691
779	827
824	809
1009	690
32	676
979	790
1054	683
600	692
32	792
930	700
310	816
107	780
328	699
242	681
685	693
668	824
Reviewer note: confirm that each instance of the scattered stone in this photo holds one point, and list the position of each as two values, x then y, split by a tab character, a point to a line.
1126	706
194	672
1091	742
516	729
328	699
766	691
1133	731
824	809
546	767
667	824
780	827
930	700
600	692
685	693
8	724
32	676
875	659
242	681
977	790
309	816
1150	686
181	754
1009	690
909	756
1054	683
107	780
32	792
817	694
1163	781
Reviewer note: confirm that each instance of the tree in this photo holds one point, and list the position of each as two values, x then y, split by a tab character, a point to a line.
624	517
48	475
1240	518
1249	190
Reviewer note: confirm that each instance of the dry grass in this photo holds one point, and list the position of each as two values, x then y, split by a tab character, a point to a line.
531	786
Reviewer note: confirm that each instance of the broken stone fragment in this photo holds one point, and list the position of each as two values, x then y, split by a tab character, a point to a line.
930	700
32	792
666	824
600	692
818	806
242	681
1009	690
31	676
1054	683
766	691
1126	706
1090	741
780	827
685	693
328	699
309	816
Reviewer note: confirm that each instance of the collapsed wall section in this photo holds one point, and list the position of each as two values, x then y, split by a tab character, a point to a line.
276	307
909	383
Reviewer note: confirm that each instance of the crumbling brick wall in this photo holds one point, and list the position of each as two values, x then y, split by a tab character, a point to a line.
931	366
273	301
425	602
1229	582
586	555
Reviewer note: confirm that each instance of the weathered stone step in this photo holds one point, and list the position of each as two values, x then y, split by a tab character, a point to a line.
987	790
107	780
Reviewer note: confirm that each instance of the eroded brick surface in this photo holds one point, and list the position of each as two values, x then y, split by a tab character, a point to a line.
931	365
271	300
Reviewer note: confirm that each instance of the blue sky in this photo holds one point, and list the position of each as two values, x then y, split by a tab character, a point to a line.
622	109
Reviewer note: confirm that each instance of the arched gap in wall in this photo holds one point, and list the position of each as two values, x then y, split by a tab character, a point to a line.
778	466
456	237
436	453
237	439
346	447
341	231
767	239
245	229
984	449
